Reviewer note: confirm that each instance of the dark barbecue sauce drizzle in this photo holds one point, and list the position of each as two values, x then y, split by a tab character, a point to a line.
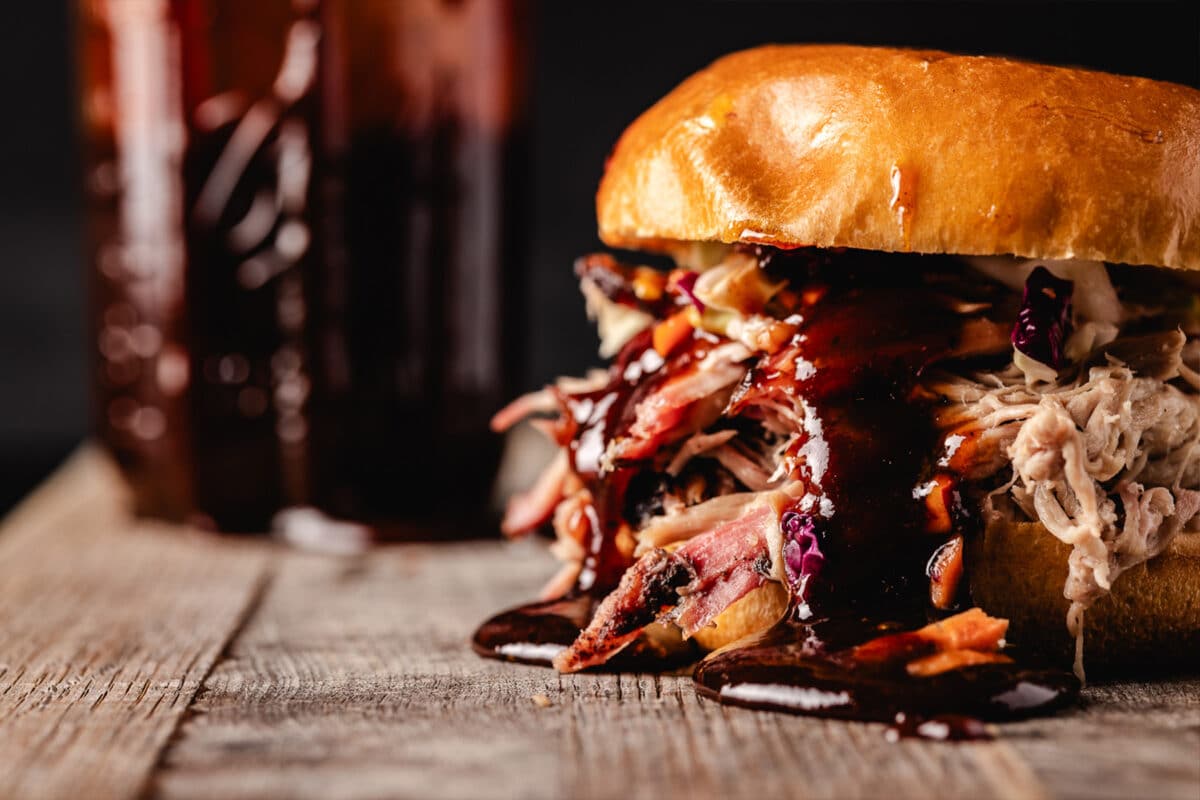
867	444
864	346
802	668
534	633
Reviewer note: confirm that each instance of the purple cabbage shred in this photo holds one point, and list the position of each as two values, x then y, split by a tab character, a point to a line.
687	285
802	556
1044	322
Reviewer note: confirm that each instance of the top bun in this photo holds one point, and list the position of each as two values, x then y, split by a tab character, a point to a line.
912	150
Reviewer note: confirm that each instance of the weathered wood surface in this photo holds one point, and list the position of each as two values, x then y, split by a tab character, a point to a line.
353	679
106	632
350	677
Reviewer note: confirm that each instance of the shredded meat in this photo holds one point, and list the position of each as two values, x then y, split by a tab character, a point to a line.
690	586
1105	453
682	525
1108	462
533	508
697	444
647	589
685	404
755	467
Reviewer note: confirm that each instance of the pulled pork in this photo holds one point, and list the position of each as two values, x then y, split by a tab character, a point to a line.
1107	460
1102	446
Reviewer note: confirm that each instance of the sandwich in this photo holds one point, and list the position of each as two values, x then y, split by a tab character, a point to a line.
922	334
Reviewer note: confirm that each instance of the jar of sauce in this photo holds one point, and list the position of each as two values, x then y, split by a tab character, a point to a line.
304	226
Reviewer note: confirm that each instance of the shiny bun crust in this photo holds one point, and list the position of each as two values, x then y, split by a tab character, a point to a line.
1150	621
907	150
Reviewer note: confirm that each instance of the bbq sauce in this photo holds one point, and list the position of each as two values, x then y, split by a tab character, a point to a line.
867	444
868	437
805	668
534	633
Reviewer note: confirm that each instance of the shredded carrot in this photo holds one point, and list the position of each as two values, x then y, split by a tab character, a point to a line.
972	629
965	451
625	541
937	504
945	573
952	659
671	332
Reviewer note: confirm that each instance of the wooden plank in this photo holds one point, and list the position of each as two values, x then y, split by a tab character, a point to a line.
353	679
107	629
1131	740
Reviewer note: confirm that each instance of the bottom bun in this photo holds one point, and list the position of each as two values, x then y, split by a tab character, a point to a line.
1150	621
758	610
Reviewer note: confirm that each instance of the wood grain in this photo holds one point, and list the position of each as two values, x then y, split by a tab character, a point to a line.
106	630
353	679
146	660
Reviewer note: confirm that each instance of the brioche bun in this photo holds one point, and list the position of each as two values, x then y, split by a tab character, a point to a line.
1150	620
911	150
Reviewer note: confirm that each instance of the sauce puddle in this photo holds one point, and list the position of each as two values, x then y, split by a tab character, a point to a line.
536	632
805	668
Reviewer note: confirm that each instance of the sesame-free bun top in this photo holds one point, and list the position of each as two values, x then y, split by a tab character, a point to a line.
912	150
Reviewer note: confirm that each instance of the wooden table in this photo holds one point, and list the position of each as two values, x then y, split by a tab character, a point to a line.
143	659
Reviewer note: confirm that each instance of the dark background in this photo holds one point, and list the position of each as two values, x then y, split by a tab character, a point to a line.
597	64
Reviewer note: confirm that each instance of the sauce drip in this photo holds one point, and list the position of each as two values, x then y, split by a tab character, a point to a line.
592	420
534	633
867	443
803	668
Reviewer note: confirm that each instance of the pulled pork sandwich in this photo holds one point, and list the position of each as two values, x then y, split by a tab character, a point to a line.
931	341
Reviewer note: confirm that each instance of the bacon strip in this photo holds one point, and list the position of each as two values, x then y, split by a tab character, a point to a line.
647	590
691	586
698	610
728	564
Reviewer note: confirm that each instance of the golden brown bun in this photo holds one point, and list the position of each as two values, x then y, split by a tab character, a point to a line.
906	150
1150	620
757	611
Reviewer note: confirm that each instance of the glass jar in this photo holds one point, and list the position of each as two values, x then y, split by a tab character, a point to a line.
304	224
